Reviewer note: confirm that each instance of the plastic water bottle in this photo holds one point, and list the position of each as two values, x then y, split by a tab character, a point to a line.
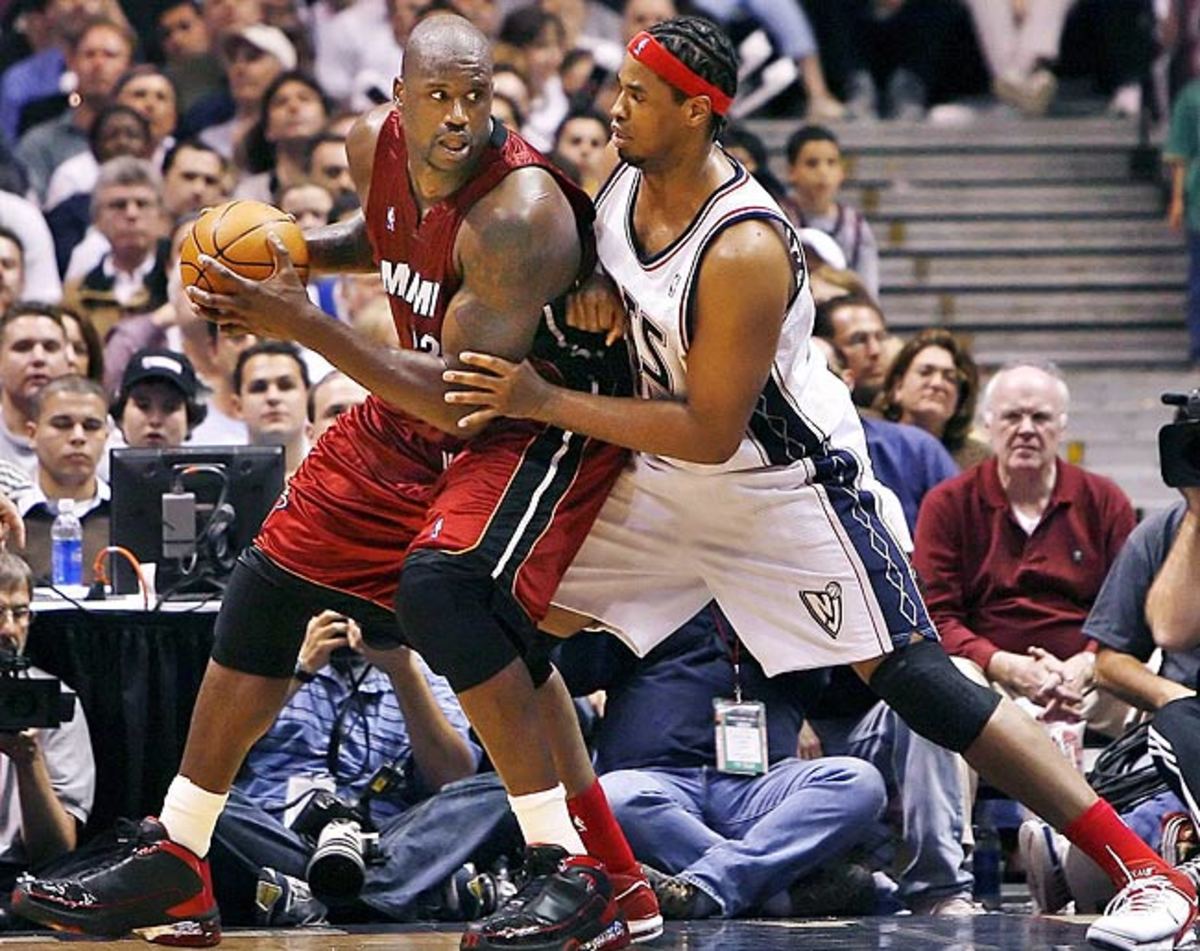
985	863
66	546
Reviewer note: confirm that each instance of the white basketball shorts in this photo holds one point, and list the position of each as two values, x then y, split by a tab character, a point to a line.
809	575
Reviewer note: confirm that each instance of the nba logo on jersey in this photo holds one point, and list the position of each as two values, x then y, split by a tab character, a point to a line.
825	607
674	284
391	218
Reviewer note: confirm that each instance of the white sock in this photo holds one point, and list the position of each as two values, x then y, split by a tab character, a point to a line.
544	819
190	813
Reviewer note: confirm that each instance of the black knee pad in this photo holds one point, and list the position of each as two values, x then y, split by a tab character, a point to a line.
933	697
459	620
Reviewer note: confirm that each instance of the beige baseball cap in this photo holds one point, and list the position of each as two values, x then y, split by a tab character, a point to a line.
269	39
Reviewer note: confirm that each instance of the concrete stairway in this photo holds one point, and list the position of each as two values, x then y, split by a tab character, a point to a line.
1032	238
1115	418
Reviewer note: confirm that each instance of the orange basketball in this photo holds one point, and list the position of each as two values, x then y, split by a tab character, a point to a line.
235	234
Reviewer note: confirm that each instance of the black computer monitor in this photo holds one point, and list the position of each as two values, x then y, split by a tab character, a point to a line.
233	489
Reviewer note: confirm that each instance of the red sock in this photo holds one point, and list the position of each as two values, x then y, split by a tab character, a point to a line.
598	828
1115	848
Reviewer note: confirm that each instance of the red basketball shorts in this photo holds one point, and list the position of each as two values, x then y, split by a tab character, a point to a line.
516	501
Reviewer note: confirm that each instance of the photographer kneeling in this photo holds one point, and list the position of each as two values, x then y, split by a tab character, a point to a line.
47	774
1173	608
1173	615
369	742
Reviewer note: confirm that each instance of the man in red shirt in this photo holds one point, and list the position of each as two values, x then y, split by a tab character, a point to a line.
1013	552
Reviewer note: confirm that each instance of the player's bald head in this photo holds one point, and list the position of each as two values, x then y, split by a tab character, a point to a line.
443	41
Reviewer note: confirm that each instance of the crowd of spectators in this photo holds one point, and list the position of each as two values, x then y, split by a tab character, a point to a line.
118	125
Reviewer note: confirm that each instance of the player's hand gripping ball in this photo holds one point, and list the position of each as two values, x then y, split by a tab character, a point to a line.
236	234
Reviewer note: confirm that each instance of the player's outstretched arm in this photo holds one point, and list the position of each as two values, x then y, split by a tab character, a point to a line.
746	282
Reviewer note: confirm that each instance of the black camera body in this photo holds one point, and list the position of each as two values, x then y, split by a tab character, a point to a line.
346	839
322	808
28	702
1179	441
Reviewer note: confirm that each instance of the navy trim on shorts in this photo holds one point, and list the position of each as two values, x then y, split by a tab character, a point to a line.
785	437
889	572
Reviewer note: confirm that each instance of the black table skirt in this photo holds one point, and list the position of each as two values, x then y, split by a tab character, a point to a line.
137	675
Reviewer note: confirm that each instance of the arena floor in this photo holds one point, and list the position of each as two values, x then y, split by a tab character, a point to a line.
995	932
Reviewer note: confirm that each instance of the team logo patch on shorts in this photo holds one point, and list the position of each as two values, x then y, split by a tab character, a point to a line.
825	607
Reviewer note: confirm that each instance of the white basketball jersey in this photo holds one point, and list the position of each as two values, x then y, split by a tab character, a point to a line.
804	411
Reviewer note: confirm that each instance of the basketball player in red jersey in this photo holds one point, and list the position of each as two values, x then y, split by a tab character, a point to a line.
473	233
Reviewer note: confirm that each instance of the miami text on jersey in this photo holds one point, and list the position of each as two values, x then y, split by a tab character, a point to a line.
418	292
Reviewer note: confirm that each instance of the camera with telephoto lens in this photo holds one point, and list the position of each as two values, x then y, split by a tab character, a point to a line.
1179	441
346	839
30	702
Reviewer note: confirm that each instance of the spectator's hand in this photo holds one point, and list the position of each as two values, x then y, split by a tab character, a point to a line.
1059	694
164	316
1028	676
186	313
598	701
809	744
326	632
1077	671
21	748
394	660
12	526
1175	215
1060	708
597	308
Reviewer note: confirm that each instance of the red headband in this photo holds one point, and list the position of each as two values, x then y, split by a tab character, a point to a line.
664	64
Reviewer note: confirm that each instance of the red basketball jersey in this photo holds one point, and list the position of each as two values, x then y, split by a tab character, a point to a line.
515	501
415	256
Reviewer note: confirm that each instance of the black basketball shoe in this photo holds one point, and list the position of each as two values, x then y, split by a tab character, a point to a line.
566	904
157	890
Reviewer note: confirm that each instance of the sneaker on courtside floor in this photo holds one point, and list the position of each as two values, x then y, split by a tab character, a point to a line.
1042	853
284	901
1154	913
567	904
679	899
1179	842
158	890
638	903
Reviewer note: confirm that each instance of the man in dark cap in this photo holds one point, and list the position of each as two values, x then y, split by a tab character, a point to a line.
157	406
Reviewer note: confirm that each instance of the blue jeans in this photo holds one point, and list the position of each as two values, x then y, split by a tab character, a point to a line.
1193	305
924	780
423	847
743	839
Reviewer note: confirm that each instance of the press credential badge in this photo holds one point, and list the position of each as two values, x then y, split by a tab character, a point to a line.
741	736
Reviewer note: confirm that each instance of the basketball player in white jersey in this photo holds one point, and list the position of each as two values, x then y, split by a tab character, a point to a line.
752	483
